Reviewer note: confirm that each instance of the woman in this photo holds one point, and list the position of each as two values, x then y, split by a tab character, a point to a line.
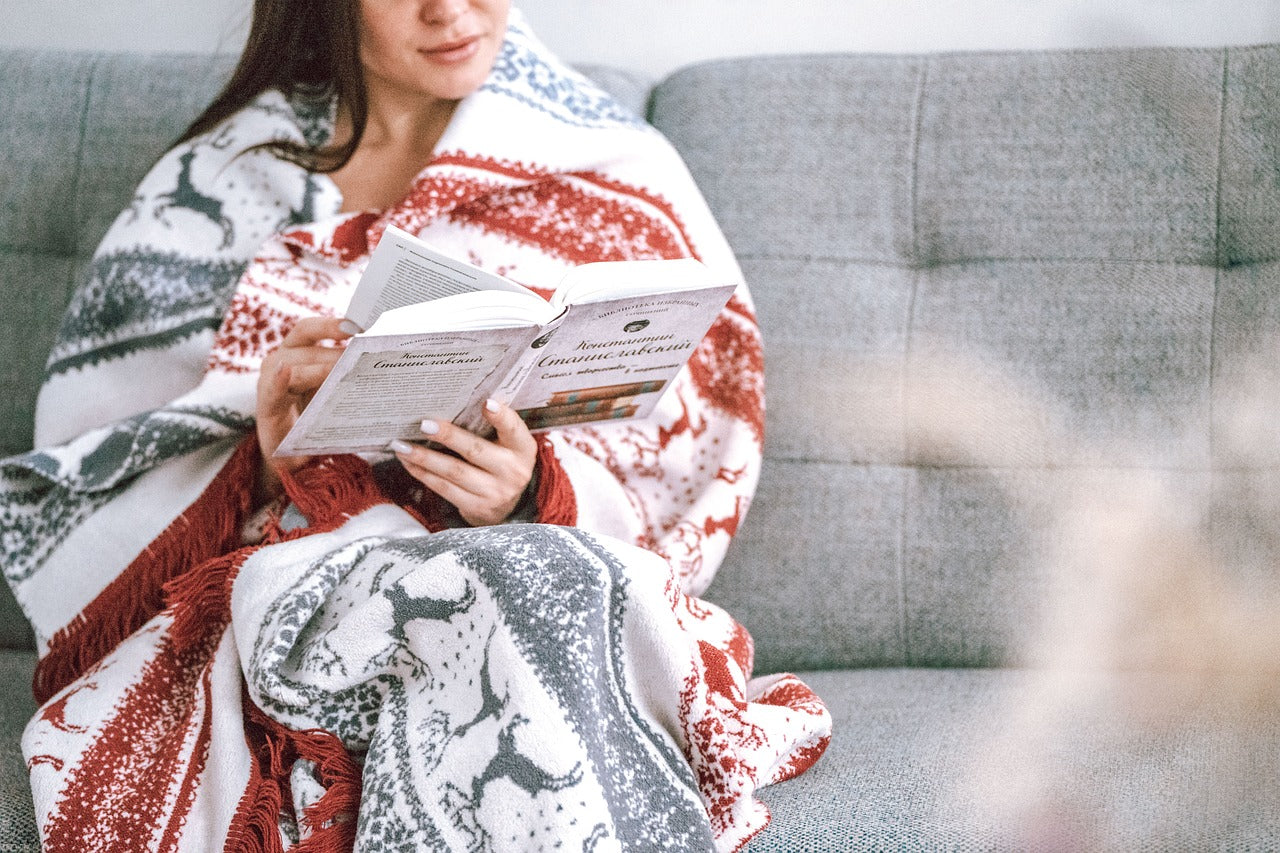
243	653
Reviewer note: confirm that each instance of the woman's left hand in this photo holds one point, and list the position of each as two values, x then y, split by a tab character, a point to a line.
487	478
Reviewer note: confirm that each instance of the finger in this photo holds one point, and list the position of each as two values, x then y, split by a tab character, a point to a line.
511	429
275	409
310	331
445	487
310	365
433	467
477	510
309	376
274	396
478	451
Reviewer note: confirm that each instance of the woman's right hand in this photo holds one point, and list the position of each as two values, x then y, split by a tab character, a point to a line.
290	376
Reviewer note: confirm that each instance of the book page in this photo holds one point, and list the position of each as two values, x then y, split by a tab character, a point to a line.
404	270
605	280
612	360
383	386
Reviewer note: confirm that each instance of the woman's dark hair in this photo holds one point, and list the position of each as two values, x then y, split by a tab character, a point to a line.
310	48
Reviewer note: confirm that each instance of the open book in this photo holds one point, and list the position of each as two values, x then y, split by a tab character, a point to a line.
442	336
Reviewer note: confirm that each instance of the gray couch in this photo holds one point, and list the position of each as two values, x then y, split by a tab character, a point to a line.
984	280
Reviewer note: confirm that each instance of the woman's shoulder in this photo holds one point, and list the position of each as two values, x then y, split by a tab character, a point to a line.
305	117
220	193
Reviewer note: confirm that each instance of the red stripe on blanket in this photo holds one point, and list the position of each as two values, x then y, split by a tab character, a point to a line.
527	175
275	293
537	207
207	528
191	781
790	692
719	737
348	242
657	201
146	759
728	367
570	223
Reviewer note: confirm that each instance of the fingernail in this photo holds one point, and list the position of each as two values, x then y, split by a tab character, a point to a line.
398	446
491	404
430	427
349	328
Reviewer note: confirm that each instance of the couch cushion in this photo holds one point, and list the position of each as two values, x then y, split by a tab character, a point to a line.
17	817
976	272
79	131
939	759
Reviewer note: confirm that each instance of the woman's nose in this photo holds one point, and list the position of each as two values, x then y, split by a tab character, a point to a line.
442	12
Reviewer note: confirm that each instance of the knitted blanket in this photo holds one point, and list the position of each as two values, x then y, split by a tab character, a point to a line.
358	668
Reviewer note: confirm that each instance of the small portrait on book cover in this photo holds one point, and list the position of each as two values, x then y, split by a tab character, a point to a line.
542	340
635	325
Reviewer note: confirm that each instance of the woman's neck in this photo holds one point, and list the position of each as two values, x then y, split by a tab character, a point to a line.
403	119
399	139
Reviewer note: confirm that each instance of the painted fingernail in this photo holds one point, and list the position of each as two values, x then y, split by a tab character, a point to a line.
398	446
491	404
349	328
430	427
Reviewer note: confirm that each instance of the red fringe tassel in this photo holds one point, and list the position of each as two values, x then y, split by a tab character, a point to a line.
327	491
557	503
331	820
332	489
210	527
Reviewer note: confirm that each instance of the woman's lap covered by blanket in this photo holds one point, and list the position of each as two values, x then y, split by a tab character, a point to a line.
356	666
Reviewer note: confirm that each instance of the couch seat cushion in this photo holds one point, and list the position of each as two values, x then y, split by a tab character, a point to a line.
914	750
17	819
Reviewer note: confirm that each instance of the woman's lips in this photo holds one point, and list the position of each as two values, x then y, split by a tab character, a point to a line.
454	51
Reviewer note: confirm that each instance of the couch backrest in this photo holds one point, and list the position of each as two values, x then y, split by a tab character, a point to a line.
1097	226
1098	230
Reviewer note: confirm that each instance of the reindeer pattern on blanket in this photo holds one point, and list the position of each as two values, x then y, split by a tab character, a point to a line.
365	671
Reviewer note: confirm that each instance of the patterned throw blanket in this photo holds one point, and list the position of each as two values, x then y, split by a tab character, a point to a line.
358	667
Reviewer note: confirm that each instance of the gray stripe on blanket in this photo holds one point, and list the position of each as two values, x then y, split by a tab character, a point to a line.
569	621
562	600
140	299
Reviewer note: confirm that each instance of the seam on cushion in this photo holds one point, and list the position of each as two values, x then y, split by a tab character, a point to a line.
37	251
949	262
917	121
958	54
79	161
1218	255
1016	468
904	637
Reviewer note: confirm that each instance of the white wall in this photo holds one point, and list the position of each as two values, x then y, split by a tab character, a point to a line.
657	35
202	26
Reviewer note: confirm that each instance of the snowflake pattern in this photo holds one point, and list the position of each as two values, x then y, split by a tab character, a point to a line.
526	76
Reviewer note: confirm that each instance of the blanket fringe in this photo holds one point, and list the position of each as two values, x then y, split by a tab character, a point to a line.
255	826
207	528
331	489
557	503
200	600
331	820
